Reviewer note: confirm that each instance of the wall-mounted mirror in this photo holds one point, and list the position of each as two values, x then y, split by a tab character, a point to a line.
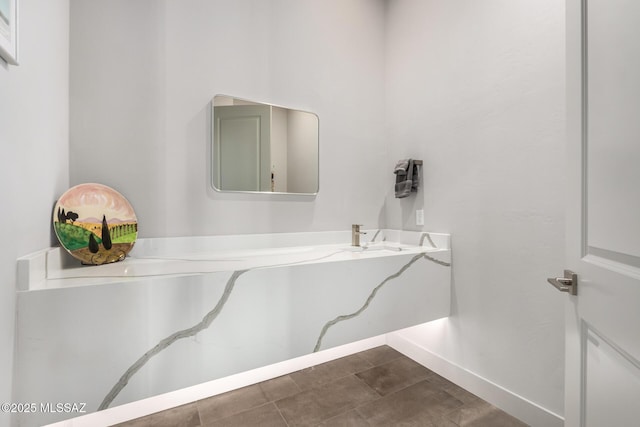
263	148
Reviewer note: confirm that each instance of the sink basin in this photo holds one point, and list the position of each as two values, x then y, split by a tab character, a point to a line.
368	247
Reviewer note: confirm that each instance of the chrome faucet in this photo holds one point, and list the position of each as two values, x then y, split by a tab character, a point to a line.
355	234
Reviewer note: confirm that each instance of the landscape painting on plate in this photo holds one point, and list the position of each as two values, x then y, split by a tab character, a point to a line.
95	224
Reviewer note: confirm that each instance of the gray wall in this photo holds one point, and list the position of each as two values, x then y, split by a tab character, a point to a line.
476	90
34	108
140	98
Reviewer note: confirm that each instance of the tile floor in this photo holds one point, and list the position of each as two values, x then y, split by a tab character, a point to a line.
376	387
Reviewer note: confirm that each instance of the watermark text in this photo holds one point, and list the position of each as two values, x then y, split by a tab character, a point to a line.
48	407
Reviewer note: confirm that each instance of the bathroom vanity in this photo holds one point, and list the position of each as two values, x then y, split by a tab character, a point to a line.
183	311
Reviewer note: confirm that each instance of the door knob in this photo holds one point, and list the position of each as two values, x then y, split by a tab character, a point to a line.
568	283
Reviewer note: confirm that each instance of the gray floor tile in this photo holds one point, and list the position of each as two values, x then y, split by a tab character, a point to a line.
181	416
262	416
138	422
330	371
482	414
421	404
279	388
439	422
348	419
379	355
496	418
231	403
394	375
319	404
343	393
453	389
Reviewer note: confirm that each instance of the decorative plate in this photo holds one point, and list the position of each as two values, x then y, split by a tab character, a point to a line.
95	224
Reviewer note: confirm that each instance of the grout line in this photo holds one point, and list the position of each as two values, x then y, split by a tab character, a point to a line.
371	388
357	408
280	413
333	379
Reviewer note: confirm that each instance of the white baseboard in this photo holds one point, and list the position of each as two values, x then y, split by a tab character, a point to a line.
515	405
521	408
172	399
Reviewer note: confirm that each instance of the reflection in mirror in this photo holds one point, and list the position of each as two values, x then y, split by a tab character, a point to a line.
263	148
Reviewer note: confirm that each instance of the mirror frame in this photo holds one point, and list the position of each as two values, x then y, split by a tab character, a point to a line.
214	156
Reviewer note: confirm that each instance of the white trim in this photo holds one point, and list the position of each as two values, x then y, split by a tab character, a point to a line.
516	405
172	399
510	402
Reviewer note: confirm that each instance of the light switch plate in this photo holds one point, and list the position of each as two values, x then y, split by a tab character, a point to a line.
420	217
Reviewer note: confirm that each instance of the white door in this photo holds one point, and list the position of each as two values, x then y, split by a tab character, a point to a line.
242	147
602	386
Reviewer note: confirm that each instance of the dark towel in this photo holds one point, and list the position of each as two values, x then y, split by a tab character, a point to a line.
401	167
407	178
404	178
415	180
